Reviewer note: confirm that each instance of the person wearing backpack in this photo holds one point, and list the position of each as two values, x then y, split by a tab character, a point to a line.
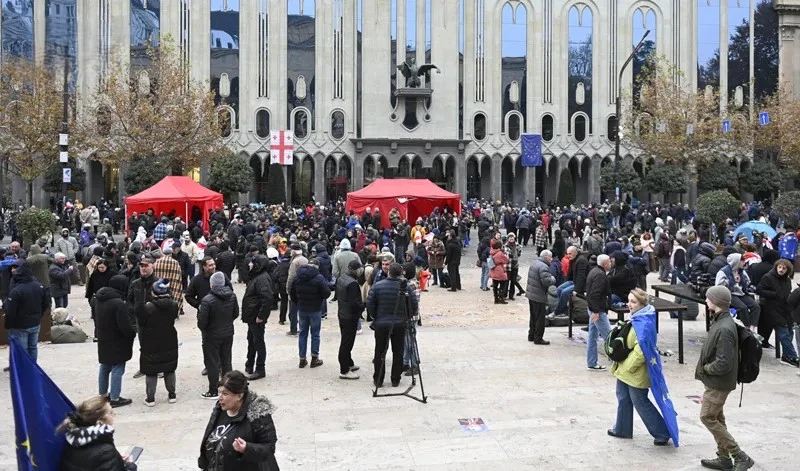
636	375
717	368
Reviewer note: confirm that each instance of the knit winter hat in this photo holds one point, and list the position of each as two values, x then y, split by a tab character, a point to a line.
217	280
720	296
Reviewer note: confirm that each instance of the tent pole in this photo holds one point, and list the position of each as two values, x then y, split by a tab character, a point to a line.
187	214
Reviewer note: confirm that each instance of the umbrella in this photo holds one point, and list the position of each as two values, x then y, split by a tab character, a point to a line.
750	226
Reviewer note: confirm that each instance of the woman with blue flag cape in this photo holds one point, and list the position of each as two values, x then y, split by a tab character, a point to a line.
640	371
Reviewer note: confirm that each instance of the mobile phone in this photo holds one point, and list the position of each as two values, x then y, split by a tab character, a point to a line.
135	453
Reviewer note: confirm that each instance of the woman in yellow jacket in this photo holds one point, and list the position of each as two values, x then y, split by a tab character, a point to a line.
633	378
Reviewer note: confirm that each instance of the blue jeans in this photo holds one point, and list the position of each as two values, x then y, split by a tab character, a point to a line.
116	372
629	398
564	292
484	276
679	274
292	317
28	338
784	335
597	330
313	321
61	301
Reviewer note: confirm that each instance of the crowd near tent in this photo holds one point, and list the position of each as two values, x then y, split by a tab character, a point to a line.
412	197
180	194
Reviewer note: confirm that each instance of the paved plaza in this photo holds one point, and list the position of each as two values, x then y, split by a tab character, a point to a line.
542	408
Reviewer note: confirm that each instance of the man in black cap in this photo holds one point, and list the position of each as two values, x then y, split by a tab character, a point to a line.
348	294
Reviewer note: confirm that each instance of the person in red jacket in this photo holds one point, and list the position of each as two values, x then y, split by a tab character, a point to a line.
498	273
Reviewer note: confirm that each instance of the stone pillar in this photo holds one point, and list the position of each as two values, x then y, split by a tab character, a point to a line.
497	177
789	49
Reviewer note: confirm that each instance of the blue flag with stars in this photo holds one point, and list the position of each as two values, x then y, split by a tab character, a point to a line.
644	323
531	150
39	408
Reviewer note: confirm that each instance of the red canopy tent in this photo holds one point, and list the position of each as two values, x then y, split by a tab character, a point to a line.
179	194
412	197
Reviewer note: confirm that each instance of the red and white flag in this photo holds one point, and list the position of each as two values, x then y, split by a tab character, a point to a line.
281	150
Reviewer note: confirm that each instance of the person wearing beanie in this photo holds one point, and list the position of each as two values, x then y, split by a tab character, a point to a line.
114	334
215	315
717	369
350	307
158	341
539	281
598	291
733	277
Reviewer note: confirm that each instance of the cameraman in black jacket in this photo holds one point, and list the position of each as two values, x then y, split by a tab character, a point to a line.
348	295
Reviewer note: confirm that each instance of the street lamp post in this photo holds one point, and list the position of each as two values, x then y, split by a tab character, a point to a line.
63	138
619	96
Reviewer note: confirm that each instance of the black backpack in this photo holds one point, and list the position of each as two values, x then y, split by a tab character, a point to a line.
616	347
749	355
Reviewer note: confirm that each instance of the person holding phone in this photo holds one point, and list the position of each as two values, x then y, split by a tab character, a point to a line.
240	435
89	432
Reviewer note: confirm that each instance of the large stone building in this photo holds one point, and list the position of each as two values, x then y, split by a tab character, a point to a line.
327	71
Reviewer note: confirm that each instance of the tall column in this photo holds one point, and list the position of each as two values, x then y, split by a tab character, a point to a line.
723	57
39	31
200	40
497	177
789	49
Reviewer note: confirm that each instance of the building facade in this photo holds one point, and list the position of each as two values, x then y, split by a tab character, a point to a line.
327	70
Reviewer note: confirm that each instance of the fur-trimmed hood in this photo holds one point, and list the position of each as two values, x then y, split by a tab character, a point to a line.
258	407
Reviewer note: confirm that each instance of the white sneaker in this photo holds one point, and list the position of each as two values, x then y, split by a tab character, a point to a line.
348	375
359	331
150	403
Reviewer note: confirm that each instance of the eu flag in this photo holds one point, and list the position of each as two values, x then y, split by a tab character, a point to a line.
39	407
644	323
531	150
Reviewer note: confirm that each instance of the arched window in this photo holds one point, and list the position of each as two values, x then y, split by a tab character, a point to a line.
225	120
300	124
262	123
514	49
579	86
479	126
337	125
580	128
547	127
514	126
708	43
611	128
643	19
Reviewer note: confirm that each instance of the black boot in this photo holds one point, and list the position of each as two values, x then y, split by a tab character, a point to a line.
720	462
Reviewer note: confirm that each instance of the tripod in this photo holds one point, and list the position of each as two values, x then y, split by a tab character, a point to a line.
410	341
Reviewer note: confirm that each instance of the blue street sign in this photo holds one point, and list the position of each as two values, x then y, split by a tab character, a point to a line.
67	175
726	125
763	118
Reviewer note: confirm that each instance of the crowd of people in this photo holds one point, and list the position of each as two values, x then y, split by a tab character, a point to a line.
377	268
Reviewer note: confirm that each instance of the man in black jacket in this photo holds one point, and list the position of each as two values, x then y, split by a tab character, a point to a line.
597	293
391	316
350	308
27	302
256	306
452	259
115	336
140	292
215	316
225	259
200	285
308	290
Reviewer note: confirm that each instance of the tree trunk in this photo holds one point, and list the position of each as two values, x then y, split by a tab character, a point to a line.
30	193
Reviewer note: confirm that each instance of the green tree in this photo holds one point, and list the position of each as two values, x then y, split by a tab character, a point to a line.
276	185
230	175
666	179
143	173
763	177
715	206
566	189
53	179
788	207
718	175
34	223
622	176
